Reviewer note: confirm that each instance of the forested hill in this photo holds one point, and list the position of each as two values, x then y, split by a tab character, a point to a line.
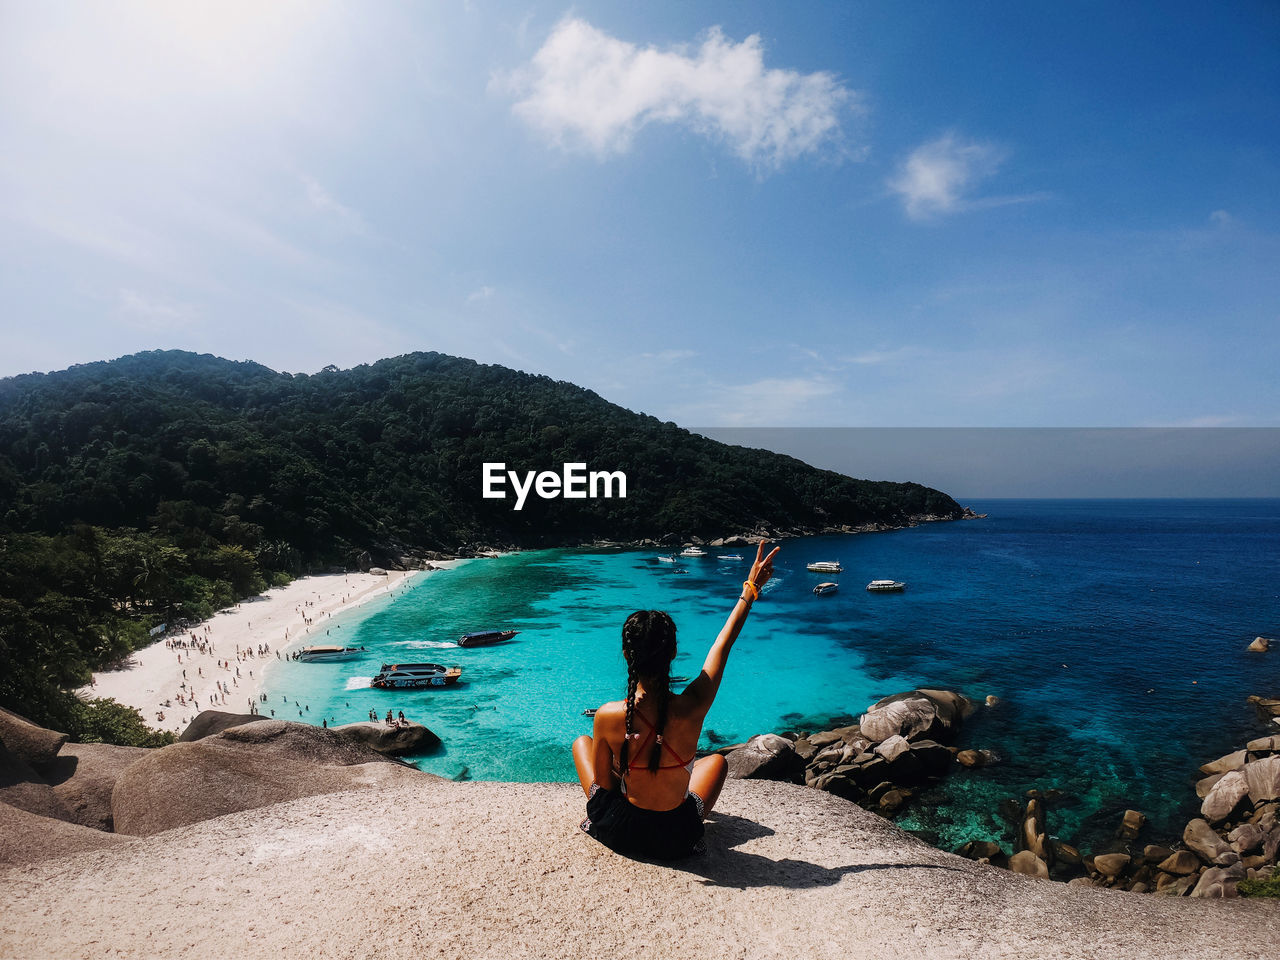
162	486
383	458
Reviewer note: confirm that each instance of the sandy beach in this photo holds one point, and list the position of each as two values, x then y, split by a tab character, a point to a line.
221	666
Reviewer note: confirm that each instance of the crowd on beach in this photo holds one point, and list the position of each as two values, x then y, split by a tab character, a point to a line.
205	666
202	643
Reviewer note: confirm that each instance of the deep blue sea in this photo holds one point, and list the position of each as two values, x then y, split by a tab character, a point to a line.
1113	632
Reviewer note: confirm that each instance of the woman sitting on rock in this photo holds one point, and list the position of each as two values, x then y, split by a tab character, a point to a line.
646	795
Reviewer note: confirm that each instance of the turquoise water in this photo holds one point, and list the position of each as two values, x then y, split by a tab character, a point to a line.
1112	631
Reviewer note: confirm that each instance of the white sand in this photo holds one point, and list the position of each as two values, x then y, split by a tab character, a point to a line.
274	619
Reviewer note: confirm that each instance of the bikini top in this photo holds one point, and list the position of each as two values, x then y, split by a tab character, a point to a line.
648	738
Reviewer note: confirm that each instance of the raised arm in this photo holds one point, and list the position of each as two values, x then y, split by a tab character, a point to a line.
705	686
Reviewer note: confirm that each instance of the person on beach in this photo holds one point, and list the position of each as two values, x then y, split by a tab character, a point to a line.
646	794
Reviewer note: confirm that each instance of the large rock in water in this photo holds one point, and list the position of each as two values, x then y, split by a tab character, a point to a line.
765	757
390	741
244	767
1225	796
34	746
1201	839
1263	779
1033	835
935	714
1028	864
1232	761
84	777
1219	882
1111	865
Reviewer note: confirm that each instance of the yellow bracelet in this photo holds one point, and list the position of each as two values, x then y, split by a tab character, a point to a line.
755	591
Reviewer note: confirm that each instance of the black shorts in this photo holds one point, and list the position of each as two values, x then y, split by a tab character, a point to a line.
653	834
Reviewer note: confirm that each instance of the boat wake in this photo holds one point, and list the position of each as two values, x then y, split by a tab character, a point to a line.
427	644
357	683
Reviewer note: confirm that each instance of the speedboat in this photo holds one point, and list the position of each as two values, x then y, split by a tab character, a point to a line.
485	638
693	552
729	556
886	586
412	676
825	566
328	654
822	588
667	559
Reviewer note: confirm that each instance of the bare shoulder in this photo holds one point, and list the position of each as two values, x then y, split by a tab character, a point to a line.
611	715
694	698
614	708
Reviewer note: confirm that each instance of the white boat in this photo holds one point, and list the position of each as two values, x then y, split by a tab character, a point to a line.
886	586
693	552
400	676
822	588
729	556
669	559
328	654
825	566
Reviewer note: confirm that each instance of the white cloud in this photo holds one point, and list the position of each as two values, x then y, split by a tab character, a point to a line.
484	293
938	176
586	89
153	313
324	202
670	356
1220	218
769	402
875	357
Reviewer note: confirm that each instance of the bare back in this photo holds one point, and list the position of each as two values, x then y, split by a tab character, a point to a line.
667	787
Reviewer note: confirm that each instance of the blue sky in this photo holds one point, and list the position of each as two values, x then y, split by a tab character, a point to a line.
854	214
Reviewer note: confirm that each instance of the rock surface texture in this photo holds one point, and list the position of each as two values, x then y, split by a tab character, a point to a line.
34	746
85	776
244	767
790	873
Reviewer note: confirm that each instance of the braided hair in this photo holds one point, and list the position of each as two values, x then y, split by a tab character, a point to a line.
649	646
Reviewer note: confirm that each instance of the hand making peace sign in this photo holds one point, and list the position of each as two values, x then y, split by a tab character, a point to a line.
762	569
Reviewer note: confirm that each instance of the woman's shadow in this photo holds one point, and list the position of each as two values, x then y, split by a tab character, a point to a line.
723	865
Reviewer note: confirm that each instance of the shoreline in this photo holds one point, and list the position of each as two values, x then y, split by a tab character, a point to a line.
155	675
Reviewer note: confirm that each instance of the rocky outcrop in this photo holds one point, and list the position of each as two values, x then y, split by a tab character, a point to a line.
228	763
935	714
84	777
390	741
1236	837
211	722
1028	864
1262	778
244	767
29	838
33	745
1225	797
765	757
792	873
1032	834
878	762
22	787
1268	708
1260	645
